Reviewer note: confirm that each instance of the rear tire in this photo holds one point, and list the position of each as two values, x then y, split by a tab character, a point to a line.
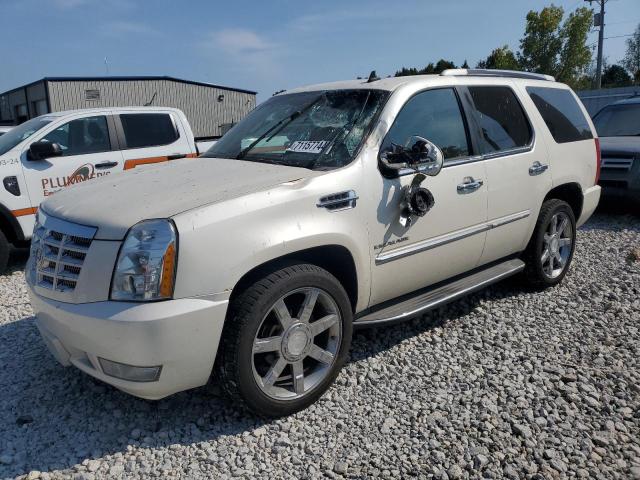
5	249
285	340
552	244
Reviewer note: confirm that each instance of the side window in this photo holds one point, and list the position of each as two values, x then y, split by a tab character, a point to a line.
81	136
561	113
436	116
148	129
503	124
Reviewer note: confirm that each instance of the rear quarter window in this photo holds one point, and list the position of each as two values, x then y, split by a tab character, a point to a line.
148	129
562	114
501	119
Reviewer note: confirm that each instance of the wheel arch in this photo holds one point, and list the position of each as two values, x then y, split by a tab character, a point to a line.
570	193
336	259
10	226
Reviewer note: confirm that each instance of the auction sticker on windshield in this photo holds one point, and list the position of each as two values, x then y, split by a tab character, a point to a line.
307	146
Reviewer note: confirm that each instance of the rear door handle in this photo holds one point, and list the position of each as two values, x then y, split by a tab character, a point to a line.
537	168
176	156
469	185
106	165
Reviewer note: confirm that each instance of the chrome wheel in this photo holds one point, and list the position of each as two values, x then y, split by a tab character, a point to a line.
297	343
557	245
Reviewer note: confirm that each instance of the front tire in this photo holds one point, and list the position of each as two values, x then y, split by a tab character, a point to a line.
285	340
5	249
552	244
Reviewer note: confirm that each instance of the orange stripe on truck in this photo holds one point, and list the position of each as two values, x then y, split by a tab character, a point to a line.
133	163
24	211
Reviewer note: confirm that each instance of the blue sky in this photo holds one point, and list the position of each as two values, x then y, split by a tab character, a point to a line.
265	45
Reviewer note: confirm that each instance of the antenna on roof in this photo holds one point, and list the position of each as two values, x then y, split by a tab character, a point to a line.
150	102
372	77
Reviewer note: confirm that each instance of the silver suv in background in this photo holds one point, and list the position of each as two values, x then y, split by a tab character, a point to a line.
618	127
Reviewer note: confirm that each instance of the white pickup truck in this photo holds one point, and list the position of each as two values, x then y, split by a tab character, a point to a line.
56	150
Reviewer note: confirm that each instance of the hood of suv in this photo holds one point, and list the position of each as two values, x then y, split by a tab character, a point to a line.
115	203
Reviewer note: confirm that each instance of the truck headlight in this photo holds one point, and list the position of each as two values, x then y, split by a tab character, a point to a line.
146	266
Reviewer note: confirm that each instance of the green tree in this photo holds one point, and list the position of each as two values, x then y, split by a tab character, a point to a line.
501	58
441	65
575	56
632	57
541	45
615	76
404	72
555	48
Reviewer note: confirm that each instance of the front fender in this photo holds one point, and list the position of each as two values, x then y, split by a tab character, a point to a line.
222	242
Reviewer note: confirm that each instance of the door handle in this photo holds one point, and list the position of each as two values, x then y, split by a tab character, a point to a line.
469	185
537	168
176	156
106	165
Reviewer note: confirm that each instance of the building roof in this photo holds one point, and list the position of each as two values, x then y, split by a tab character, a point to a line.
129	78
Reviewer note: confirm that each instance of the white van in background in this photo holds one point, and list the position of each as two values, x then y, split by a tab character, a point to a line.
56	150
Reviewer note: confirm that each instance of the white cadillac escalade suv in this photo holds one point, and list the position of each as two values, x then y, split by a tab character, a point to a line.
329	207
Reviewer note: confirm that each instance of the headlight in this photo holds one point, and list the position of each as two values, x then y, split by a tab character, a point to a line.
146	266
34	252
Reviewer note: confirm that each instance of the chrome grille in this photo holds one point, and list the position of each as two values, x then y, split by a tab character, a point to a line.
623	163
58	258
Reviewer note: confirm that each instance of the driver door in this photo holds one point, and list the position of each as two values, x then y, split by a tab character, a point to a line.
89	151
449	239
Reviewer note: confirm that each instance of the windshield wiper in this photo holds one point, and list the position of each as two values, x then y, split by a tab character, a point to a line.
277	128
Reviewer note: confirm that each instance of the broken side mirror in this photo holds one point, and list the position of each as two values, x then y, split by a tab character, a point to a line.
417	155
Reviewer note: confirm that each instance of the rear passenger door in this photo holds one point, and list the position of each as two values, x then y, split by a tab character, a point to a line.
517	168
153	137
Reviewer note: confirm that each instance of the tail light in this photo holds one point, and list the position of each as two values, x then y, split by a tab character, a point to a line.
598	160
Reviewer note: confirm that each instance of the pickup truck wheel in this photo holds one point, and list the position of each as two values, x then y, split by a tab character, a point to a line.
285	340
551	247
5	248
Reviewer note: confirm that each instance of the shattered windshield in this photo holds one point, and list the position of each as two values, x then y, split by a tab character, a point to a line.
317	130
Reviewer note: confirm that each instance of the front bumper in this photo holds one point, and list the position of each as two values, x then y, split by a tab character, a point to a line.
181	336
622	184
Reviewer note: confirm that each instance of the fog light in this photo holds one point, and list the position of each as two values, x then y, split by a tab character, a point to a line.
130	372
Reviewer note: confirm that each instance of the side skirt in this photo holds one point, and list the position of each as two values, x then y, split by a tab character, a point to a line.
417	303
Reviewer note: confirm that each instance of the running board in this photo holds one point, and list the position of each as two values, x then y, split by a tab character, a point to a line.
423	301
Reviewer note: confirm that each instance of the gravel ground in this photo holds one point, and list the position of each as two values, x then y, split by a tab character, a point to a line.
504	384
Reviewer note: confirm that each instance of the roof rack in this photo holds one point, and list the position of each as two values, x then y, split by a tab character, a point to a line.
485	72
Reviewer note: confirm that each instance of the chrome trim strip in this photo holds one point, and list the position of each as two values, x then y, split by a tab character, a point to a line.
424	245
491	156
64	226
498	222
447	238
509	268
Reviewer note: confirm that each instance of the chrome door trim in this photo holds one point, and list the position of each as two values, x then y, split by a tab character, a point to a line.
405	251
498	222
